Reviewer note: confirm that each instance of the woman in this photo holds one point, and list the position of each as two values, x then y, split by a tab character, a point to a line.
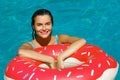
42	22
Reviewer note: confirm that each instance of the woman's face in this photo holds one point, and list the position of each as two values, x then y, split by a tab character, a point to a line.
43	25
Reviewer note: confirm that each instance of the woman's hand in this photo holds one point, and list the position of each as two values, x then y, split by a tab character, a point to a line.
60	62
52	63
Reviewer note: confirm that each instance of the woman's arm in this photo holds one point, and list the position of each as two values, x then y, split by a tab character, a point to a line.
26	51
76	43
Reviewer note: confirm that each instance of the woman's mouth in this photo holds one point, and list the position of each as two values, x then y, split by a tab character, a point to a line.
44	32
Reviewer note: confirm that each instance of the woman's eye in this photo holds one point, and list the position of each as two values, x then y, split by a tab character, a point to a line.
39	24
47	23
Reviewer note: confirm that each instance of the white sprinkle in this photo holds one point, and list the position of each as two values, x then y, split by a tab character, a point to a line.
61	50
40	52
31	76
37	78
69	73
55	77
88	53
59	69
33	60
26	62
108	62
42	70
89	46
19	71
30	65
100	50
83	53
90	61
80	76
99	65
19	60
79	68
53	52
92	72
13	68
34	69
85	65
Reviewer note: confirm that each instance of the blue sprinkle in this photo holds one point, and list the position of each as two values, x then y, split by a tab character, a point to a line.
45	48
25	76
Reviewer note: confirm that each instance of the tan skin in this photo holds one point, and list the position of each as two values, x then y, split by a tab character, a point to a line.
43	28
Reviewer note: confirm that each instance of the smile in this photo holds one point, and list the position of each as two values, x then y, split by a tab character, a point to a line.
44	32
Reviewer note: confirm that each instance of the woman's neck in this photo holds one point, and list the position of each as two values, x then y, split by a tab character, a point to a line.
43	41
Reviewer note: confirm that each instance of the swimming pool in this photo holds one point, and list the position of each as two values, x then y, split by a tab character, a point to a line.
95	20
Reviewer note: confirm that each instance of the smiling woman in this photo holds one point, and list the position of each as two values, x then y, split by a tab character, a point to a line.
97	21
43	25
42	22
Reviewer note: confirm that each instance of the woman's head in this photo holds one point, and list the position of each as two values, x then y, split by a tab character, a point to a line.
41	12
42	22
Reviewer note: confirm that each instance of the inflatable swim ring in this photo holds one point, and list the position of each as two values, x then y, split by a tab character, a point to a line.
96	65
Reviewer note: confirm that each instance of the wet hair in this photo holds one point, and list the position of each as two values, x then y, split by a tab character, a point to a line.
39	13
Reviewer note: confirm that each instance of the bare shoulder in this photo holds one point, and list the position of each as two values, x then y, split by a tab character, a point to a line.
63	38
26	46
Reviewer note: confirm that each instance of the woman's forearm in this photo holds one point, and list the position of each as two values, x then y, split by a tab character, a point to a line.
34	55
68	52
72	48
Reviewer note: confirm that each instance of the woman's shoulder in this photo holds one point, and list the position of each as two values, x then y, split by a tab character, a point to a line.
63	35
28	44
63	38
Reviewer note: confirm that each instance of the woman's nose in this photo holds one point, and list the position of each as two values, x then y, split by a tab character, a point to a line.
44	27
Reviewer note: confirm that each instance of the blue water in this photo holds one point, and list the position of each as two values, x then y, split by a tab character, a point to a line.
98	21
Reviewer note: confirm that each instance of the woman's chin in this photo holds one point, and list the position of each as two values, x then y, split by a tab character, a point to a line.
44	36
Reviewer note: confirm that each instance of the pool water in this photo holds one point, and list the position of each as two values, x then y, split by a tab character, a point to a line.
95	20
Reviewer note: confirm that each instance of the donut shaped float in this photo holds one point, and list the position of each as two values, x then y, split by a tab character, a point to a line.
92	64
